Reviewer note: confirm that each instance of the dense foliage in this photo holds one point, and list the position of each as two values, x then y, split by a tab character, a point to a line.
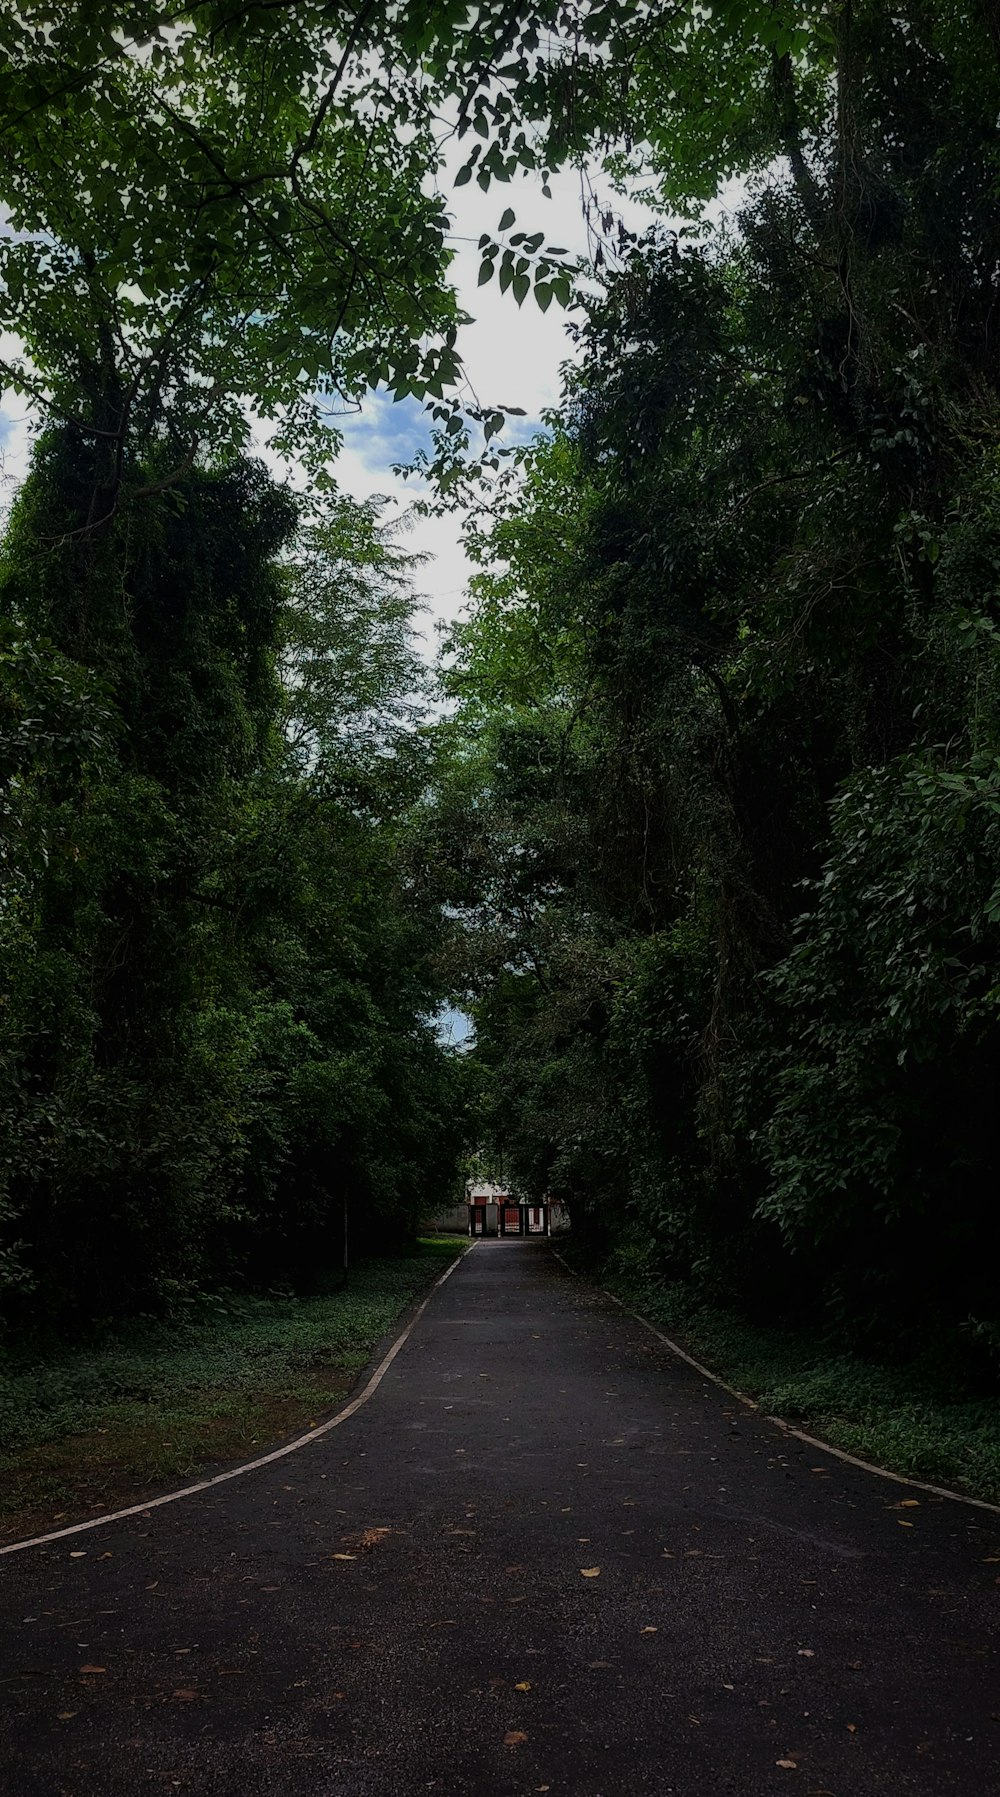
724	795
216	1030
708	839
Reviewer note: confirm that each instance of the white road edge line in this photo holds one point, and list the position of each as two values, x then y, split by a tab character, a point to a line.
812	1441
250	1466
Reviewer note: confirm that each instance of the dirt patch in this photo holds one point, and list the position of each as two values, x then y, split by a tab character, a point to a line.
135	1456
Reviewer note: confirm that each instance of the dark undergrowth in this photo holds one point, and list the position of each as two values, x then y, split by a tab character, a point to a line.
156	1400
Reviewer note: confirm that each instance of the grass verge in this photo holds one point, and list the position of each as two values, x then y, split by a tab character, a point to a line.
100	1427
905	1418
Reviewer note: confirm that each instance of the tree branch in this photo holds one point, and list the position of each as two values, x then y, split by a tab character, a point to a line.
791	141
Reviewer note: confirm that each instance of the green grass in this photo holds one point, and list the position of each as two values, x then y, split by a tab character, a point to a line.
903	1418
161	1400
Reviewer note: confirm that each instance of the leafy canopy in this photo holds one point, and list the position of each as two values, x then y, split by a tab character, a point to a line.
215	209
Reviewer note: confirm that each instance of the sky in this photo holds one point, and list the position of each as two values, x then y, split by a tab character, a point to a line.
512	357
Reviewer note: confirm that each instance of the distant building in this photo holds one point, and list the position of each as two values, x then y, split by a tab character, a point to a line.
496	1210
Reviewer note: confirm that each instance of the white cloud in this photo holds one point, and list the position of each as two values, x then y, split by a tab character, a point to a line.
512	356
442	580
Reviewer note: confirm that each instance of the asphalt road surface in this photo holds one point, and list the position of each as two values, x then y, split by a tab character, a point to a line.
546	1556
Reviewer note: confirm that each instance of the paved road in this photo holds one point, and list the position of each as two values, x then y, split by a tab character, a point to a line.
764	1620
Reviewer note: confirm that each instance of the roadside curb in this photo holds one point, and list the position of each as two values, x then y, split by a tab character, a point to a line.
249	1466
812	1441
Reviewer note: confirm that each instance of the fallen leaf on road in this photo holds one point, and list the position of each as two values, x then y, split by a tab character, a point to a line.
93	1669
852	1728
343	1556
807	1653
66	1715
648	1630
78	1553
514	1737
908	1504
590	1572
789	1765
525	1685
903	1522
371	1537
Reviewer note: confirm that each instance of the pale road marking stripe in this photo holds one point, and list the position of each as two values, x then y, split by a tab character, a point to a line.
812	1441
250	1466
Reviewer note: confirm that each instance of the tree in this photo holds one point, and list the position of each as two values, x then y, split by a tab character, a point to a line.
185	242
733	659
355	687
216	1029
220	209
